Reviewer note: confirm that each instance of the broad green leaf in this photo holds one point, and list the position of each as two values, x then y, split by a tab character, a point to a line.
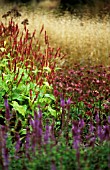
4	86
23	131
2	92
52	111
17	96
51	96
2	65
19	108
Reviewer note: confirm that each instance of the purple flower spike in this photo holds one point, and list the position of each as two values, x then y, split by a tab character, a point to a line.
97	118
81	123
18	142
106	132
76	131
62	102
47	134
91	127
100	132
109	119
76	143
6	158
68	101
53	166
92	141
4	149
7	108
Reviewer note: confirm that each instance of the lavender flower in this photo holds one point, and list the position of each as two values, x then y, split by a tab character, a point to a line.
92	141
76	135
36	129
62	102
5	158
76	143
18	142
81	123
7	108
53	166
4	149
91	127
109	119
97	118
68	101
106	129
47	134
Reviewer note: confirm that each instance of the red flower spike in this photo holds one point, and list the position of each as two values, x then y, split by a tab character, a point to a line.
14	65
9	65
20	79
30	94
16	76
46	38
58	50
42	29
26	36
33	35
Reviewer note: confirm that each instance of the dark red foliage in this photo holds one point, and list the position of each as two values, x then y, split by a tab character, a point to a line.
87	84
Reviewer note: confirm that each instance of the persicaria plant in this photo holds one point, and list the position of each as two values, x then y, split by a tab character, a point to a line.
27	71
50	115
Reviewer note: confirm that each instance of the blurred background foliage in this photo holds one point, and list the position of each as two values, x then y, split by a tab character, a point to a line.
64	4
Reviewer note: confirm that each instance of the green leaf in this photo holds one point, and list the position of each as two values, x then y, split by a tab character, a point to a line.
2	65
23	131
4	86
46	83
52	111
1	116
9	55
47	69
51	96
19	108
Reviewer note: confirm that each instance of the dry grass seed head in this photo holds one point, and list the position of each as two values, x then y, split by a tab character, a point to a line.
82	39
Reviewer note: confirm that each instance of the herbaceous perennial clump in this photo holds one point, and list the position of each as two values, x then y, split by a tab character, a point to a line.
40	139
50	116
